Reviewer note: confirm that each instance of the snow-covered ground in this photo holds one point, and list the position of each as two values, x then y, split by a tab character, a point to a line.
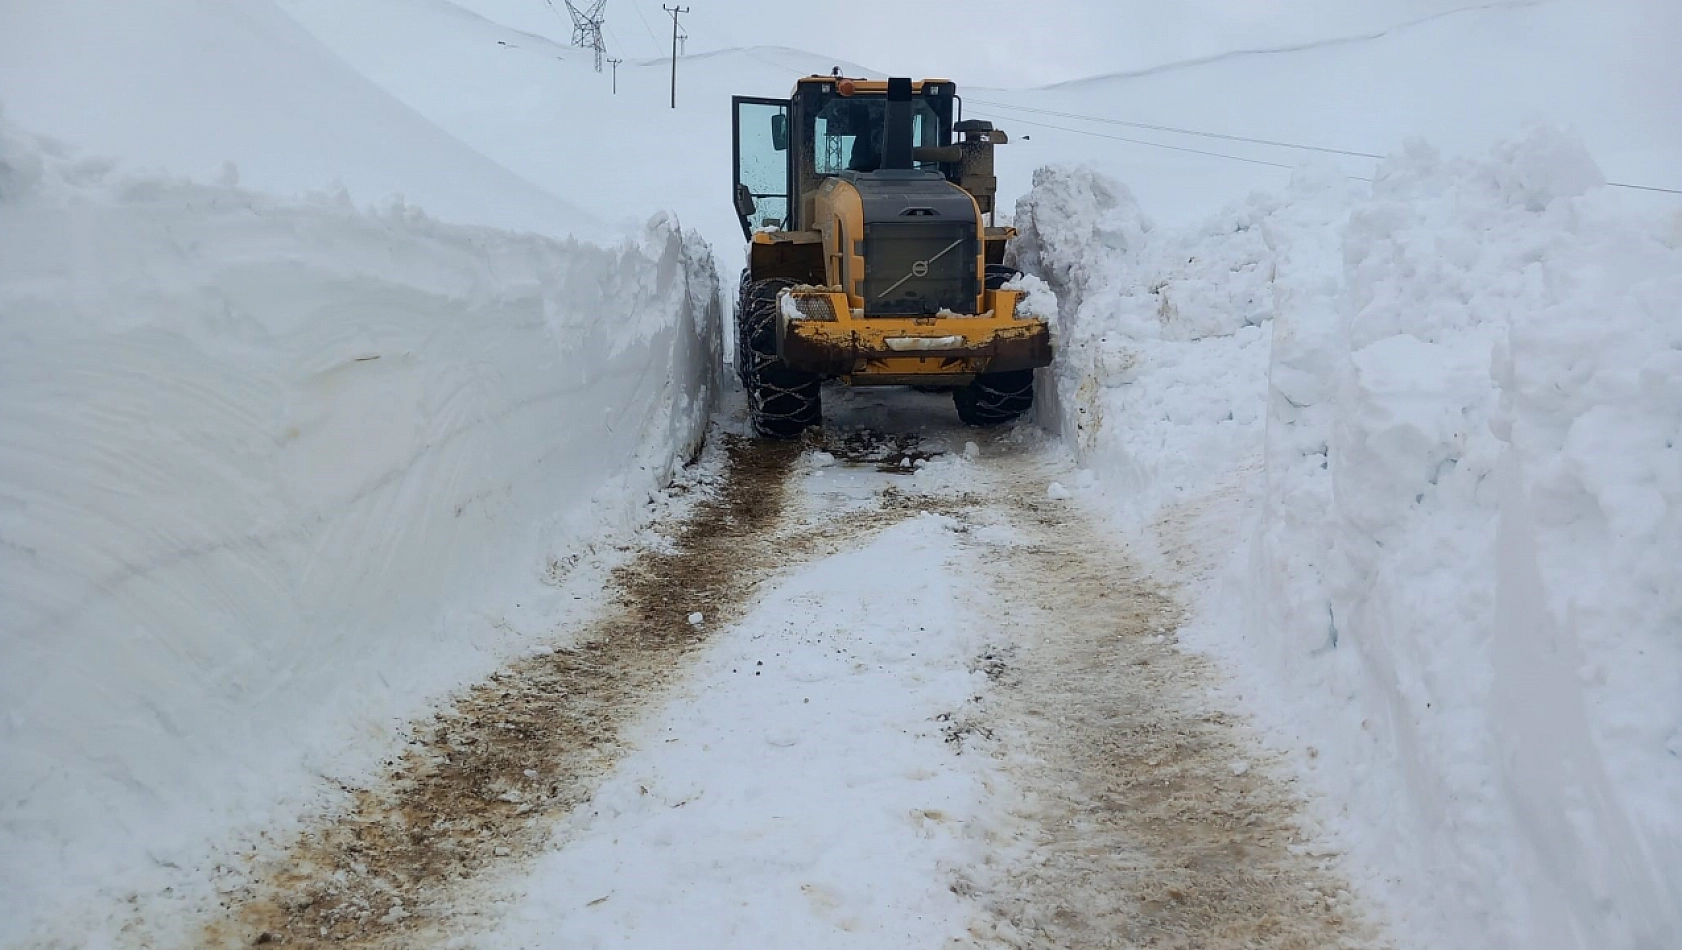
801	791
1420	443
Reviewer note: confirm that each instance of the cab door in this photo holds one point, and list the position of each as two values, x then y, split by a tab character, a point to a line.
762	163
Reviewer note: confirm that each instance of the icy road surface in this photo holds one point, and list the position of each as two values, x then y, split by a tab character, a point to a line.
897	690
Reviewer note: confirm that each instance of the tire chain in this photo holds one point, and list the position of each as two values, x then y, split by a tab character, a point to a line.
782	402
995	398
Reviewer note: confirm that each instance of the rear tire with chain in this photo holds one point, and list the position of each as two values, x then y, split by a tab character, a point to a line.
994	399
783	402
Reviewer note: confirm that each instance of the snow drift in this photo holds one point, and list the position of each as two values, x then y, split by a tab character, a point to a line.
272	473
1443	414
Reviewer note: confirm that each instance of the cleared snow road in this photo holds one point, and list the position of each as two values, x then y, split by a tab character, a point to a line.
889	692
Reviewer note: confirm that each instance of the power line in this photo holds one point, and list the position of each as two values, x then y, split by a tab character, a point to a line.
613	34
1230	138
551	5
1172	148
646	28
1169	128
1662	191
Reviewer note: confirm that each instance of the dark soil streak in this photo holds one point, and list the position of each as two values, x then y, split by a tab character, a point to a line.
483	782
1162	823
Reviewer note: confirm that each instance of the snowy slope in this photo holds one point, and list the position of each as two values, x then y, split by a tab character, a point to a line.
1463	80
186	87
1420	443
539	107
1358	81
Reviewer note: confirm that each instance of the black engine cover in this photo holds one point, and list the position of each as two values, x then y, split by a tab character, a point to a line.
920	243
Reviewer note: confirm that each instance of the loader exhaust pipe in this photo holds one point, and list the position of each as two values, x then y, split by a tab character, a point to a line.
896	135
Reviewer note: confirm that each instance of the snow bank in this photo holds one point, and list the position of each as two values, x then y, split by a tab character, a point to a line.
274	472
1423	441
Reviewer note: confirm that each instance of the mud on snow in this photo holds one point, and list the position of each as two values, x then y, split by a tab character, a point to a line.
1148	816
483	782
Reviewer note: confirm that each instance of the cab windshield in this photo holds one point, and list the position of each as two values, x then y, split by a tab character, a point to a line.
847	133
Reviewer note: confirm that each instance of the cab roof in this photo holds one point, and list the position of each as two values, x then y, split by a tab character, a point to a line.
869	86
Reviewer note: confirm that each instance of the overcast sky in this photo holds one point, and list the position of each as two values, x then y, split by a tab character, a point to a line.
987	42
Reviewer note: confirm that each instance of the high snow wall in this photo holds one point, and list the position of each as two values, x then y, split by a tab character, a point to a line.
272	473
1421	444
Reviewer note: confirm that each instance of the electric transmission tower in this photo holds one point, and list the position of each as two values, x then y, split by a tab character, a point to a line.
587	28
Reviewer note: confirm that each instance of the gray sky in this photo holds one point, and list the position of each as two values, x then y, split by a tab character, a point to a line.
990	42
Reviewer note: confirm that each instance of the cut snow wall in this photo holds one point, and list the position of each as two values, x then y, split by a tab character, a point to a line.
270	473
1428	440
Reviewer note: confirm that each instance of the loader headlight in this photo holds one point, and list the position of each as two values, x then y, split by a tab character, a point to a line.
798	306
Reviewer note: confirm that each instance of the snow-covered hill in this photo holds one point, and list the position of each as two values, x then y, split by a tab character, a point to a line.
189	88
1461	80
1463	77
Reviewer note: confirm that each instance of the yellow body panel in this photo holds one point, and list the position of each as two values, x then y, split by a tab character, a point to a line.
895	350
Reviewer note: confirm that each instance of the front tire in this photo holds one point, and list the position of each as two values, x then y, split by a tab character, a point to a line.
783	402
994	399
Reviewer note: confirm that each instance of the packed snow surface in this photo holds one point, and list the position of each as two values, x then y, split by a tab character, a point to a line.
1422	442
801	791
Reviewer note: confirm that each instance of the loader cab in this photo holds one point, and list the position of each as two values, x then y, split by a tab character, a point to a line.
786	148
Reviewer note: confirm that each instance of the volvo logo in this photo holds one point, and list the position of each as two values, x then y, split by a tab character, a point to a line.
921	268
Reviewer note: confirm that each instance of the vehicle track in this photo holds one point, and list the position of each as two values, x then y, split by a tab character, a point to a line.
1160	822
1150	817
483	782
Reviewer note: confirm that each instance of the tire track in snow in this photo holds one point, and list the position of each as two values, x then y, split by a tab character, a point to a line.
1160	822
483	782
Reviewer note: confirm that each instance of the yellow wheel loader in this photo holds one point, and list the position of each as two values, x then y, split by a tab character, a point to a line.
870	258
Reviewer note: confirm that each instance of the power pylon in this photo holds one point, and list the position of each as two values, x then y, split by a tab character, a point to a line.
587	29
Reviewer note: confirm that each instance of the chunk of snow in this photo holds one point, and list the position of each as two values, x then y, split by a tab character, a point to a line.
1056	492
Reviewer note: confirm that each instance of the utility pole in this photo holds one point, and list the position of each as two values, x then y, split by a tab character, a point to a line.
615	63
674	11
